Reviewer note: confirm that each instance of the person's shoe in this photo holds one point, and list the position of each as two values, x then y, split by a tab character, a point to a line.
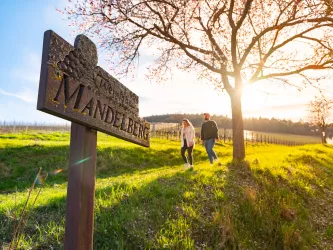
186	165
216	160
191	166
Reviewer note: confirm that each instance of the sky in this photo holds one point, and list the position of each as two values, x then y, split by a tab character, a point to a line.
22	25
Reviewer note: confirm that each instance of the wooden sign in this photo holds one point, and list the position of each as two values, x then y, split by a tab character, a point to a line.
73	87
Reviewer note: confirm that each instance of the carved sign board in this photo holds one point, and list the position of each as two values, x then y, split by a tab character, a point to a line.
73	87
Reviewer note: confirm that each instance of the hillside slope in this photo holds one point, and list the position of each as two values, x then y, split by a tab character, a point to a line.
280	198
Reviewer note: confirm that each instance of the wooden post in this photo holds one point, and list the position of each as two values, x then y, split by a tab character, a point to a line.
14	127
224	135
63	90
81	189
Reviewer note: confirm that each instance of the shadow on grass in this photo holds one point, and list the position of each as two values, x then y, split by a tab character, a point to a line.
269	211
238	208
118	161
241	206
19	165
328	146
44	225
321	167
152	216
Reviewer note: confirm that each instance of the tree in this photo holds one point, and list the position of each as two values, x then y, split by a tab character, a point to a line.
230	43
329	6
320	115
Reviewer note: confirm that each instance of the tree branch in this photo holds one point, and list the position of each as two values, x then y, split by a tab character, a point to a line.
231	9
244	14
280	27
309	67
273	49
213	41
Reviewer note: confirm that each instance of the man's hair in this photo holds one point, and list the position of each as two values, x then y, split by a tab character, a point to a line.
207	116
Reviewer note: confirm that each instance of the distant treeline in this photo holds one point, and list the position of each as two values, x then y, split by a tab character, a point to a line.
254	124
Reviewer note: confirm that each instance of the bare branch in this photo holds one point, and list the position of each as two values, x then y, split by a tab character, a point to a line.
273	49
288	73
244	14
231	9
280	27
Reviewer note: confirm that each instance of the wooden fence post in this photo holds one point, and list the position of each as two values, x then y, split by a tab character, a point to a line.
224	135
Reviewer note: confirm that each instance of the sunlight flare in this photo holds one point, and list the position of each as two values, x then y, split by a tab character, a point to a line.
83	160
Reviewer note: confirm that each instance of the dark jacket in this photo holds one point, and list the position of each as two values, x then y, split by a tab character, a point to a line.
209	130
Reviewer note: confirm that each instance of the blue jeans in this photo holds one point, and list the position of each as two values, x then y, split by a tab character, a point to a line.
209	144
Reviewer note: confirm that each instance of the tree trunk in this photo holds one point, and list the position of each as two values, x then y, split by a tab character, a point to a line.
237	127
323	135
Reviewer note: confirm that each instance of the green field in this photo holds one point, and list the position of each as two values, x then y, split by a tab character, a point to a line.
279	198
251	135
303	139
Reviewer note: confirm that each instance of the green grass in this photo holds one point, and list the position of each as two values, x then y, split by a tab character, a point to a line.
279	198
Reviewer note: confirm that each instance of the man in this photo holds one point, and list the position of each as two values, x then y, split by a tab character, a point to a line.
209	135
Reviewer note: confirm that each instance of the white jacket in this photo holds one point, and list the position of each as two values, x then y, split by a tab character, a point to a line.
189	135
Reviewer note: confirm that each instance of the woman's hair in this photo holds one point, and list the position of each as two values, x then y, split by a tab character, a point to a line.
188	122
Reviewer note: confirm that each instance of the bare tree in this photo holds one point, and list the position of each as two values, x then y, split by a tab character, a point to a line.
231	43
320	115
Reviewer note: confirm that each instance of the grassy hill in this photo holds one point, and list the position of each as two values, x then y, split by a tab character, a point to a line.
279	198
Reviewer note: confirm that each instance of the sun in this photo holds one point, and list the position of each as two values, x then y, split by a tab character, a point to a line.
253	99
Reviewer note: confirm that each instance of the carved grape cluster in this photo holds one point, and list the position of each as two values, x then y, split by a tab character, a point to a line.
75	64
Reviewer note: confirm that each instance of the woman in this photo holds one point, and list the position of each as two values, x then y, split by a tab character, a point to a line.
187	136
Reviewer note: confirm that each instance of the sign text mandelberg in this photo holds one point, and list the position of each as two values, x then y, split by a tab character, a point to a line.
73	87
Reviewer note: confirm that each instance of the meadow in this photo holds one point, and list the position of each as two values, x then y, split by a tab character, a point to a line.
280	197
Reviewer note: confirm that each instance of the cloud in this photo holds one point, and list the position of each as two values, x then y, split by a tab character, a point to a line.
27	95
